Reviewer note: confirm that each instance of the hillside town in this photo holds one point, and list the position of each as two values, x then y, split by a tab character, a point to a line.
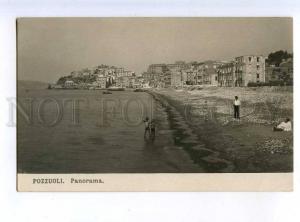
242	71
99	77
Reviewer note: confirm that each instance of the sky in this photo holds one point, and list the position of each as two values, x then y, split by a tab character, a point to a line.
49	48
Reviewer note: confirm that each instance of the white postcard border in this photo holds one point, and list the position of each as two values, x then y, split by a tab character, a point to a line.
157	182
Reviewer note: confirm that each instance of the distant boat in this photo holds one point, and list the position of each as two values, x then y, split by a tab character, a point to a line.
54	86
139	90
106	92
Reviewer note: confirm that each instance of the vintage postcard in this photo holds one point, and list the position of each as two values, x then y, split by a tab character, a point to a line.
155	104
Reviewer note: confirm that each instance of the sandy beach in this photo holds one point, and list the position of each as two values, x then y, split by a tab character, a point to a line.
249	145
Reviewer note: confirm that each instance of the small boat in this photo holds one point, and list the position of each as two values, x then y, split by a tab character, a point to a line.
139	90
106	92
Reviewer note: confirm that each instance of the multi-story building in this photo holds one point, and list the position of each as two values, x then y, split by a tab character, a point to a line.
155	74
119	72
157	68
69	84
194	76
176	78
190	77
207	73
226	74
138	82
184	76
132	81
125	82
146	76
167	79
119	82
128	73
178	74
101	81
249	69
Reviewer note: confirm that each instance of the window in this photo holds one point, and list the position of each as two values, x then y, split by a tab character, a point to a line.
216	78
257	59
257	75
257	66
249	59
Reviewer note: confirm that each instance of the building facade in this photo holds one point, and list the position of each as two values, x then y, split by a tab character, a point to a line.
69	84
176	78
207	73
227	74
249	68
190	77
157	68
101	82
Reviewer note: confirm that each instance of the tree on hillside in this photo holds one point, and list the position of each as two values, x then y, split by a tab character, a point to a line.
62	80
275	58
284	77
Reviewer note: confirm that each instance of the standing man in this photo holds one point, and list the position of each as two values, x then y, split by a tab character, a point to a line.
236	107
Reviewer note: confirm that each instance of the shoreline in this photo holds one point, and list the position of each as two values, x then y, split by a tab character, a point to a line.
184	136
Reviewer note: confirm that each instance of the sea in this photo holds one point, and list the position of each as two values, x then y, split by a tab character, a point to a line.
87	131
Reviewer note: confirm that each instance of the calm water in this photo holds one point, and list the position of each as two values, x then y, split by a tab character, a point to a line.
104	134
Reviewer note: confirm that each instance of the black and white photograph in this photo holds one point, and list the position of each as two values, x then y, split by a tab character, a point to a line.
146	110
153	95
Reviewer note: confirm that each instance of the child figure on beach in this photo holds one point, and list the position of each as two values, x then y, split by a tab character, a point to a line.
152	129
147	126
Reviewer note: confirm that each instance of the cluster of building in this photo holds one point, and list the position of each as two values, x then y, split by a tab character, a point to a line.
240	71
103	76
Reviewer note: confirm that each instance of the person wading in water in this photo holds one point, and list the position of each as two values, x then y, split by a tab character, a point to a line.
152	129
147	127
